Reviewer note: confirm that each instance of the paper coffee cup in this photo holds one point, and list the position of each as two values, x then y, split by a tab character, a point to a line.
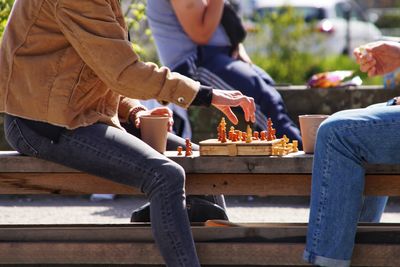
154	131
309	125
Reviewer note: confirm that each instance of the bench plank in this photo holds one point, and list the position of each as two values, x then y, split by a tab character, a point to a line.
272	244
228	184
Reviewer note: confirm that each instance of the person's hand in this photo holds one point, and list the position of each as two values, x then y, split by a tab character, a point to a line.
161	111
378	58
224	100
240	54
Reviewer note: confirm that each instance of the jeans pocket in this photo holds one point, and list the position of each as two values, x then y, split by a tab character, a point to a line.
17	140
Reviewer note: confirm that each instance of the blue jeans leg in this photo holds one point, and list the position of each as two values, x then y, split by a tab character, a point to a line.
111	153
345	143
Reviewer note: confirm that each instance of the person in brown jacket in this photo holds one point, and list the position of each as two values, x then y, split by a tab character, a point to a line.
69	77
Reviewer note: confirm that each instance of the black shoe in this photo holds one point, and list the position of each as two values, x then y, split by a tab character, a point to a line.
141	214
199	210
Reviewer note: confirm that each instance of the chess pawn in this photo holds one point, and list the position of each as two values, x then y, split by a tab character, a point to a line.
295	145
244	136
239	133
230	135
255	135
263	135
235	137
179	149
231	132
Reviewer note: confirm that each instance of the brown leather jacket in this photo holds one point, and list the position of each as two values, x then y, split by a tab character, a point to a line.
68	62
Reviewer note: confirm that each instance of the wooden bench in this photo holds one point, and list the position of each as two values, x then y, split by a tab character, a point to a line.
245	244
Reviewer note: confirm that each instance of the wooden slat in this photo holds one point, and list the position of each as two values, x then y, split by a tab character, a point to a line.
264	244
229	184
239	254
299	163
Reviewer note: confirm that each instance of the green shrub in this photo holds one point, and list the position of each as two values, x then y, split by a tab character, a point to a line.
5	9
280	48
389	20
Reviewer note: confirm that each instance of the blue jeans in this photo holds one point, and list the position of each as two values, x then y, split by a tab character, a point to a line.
345	143
116	155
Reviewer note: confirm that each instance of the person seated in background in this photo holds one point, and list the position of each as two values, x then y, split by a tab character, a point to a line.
202	40
346	142
69	78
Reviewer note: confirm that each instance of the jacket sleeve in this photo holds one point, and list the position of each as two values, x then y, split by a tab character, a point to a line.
94	32
125	106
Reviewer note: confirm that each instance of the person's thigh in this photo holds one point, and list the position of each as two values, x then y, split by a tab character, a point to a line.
98	149
225	72
372	133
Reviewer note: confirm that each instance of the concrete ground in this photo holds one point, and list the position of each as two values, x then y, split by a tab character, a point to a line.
80	209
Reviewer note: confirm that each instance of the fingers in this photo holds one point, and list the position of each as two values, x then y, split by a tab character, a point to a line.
170	124
229	114
235	98
161	111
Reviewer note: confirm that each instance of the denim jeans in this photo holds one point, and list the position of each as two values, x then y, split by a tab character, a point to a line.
116	155
345	143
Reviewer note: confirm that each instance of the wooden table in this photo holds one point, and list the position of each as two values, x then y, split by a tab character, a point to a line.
285	176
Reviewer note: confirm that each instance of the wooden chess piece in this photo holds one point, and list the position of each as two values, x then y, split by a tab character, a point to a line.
179	149
255	135
263	135
188	151
249	134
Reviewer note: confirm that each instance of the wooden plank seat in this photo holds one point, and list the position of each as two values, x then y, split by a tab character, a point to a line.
267	244
244	245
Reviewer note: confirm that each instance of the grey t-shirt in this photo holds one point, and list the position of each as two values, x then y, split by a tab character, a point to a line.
173	45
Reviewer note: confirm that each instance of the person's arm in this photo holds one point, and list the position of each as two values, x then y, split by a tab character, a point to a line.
378	58
199	18
92	29
96	35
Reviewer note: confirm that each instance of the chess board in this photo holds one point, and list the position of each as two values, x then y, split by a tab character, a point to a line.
213	147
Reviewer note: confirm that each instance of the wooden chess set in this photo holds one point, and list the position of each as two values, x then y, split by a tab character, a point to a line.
249	143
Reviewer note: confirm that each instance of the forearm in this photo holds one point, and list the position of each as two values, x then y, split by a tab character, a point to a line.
212	16
199	18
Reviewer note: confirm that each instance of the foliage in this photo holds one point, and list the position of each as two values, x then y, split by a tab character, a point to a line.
279	44
389	20
142	41
5	9
290	51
